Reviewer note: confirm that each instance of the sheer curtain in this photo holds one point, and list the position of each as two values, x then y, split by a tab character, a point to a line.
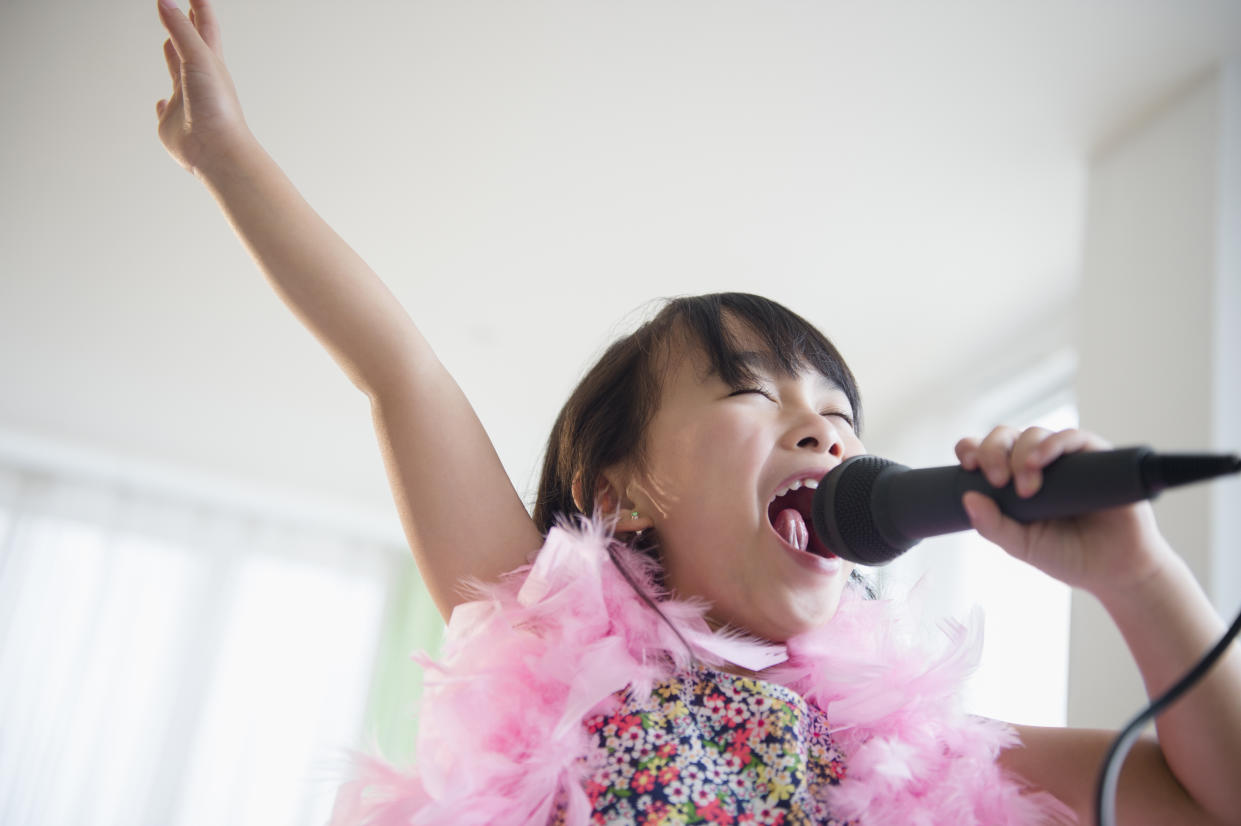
163	662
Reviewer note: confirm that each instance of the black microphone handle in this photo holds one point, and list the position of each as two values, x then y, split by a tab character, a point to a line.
912	504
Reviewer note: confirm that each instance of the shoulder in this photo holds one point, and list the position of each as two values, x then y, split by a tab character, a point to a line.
1066	763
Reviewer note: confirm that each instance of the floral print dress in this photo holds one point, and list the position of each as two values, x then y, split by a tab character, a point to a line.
712	747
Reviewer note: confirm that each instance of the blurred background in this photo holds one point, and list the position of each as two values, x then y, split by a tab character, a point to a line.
1000	212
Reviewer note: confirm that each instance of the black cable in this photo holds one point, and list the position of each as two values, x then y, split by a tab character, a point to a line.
1105	794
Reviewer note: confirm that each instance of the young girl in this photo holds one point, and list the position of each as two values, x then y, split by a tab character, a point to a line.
687	650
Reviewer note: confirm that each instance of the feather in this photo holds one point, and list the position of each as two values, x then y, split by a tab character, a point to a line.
531	657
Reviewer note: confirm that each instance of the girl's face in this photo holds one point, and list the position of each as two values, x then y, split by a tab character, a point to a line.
716	457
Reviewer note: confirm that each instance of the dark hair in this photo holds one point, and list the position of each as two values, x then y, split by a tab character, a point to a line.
603	422
605	419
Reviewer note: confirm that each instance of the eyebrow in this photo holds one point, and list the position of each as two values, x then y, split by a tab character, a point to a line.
759	360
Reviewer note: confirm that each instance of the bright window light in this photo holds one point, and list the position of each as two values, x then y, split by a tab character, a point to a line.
288	689
1025	669
170	664
1023	675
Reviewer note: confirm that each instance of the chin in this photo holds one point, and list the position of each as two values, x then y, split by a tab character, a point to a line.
781	626
817	615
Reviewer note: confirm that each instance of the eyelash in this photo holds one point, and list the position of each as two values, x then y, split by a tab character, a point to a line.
741	391
845	417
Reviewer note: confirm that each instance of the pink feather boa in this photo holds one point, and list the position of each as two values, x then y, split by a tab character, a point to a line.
525	663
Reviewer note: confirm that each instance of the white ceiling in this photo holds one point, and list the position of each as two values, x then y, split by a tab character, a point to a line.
527	175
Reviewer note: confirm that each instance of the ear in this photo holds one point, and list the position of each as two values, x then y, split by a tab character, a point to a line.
610	502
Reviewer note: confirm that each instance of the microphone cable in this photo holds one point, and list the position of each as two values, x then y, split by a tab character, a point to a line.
1105	792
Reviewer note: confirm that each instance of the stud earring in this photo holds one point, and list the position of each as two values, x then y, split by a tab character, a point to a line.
633	514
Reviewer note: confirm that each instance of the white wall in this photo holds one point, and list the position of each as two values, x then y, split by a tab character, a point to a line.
523	174
1225	585
1158	356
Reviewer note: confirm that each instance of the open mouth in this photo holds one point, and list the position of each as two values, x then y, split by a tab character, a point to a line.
791	516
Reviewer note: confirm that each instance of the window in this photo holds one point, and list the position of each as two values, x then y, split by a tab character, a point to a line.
171	663
1023	676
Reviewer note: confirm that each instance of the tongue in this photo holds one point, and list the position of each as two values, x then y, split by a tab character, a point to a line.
792	528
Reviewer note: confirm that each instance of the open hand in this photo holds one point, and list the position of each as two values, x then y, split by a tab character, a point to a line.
201	122
1107	550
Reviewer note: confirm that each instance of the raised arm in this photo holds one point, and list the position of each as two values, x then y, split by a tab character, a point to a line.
1190	774
459	510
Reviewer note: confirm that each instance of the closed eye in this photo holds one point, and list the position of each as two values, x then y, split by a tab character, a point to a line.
742	391
845	417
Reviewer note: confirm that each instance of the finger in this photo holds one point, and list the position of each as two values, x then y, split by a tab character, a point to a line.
993	455
1067	441
185	38
1026	462
967	453
992	525
208	25
174	63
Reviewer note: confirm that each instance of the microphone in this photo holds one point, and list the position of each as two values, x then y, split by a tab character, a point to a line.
870	510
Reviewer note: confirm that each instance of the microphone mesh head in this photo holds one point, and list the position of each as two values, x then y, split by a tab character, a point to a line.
856	532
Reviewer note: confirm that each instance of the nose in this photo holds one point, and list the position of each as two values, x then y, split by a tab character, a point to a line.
817	433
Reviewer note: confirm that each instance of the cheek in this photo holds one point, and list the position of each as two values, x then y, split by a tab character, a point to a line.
851	442
716	460
680	454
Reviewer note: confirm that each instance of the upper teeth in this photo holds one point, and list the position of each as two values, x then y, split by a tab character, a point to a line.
811	483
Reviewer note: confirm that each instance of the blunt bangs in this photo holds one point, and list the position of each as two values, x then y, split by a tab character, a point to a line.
791	343
605	419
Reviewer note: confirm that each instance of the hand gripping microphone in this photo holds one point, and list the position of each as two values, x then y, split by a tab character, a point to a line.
871	510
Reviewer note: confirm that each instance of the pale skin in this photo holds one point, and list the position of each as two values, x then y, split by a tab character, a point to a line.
434	446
